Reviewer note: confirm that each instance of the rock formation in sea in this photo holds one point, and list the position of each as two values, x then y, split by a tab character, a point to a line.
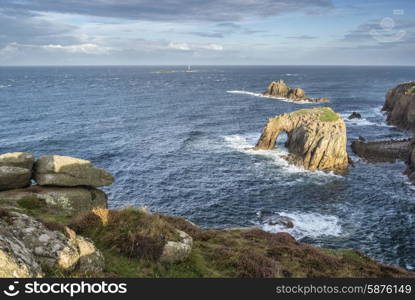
316	138
382	151
400	106
278	89
354	115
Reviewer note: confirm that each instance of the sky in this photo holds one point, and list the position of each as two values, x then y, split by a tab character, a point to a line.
207	32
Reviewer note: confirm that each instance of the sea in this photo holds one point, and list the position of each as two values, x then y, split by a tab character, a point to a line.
177	142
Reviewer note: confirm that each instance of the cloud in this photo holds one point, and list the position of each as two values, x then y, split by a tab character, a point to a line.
302	37
168	10
82	48
208	34
190	47
30	29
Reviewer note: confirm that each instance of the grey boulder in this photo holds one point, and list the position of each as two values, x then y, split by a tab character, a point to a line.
14	177
69	171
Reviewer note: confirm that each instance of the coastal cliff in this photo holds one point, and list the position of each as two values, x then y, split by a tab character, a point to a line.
278	89
64	231
316	138
400	106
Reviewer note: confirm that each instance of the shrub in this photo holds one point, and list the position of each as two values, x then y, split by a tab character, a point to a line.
132	232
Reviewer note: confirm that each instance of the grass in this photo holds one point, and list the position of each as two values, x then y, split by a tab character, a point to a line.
411	90
326	114
131	232
131	241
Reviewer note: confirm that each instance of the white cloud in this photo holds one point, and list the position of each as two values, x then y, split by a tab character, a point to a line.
81	48
189	47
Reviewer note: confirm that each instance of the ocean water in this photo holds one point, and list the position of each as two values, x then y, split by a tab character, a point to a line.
175	143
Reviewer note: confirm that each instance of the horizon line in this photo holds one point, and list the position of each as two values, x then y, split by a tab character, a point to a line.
212	65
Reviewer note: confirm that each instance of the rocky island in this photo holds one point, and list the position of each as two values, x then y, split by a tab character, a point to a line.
316	138
279	89
61	227
400	109
400	106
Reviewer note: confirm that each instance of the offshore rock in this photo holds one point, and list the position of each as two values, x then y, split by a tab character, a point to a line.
382	151
316	139
400	106
278	89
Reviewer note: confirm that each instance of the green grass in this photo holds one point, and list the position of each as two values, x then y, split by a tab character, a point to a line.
410	91
215	253
326	114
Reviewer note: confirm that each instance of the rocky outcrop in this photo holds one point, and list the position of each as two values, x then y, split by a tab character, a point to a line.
410	170
17	159
27	246
382	151
69	171
177	251
278	89
14	177
354	115
16	260
316	138
15	170
400	106
69	200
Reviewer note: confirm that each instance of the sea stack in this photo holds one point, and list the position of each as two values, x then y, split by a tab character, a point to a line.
316	138
400	106
279	89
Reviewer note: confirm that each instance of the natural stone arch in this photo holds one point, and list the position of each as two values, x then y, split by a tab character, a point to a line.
316	138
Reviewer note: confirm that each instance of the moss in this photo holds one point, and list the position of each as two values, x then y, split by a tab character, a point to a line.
31	203
326	114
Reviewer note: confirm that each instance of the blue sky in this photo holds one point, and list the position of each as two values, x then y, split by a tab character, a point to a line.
230	32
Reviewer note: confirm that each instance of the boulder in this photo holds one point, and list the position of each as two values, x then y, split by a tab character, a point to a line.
284	221
17	159
14	177
354	115
177	251
65	200
382	151
68	171
91	260
316	139
279	89
51	249
16	260
400	106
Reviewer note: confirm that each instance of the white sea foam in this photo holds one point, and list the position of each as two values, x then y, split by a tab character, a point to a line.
308	225
263	96
244	144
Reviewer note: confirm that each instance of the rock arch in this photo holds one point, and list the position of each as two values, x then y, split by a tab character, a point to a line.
316	138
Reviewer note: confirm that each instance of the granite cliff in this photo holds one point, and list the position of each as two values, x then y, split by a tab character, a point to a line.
400	106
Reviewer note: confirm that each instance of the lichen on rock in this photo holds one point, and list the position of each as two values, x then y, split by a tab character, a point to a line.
316	138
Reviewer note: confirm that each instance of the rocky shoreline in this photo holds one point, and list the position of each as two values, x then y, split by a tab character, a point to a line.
400	110
61	227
